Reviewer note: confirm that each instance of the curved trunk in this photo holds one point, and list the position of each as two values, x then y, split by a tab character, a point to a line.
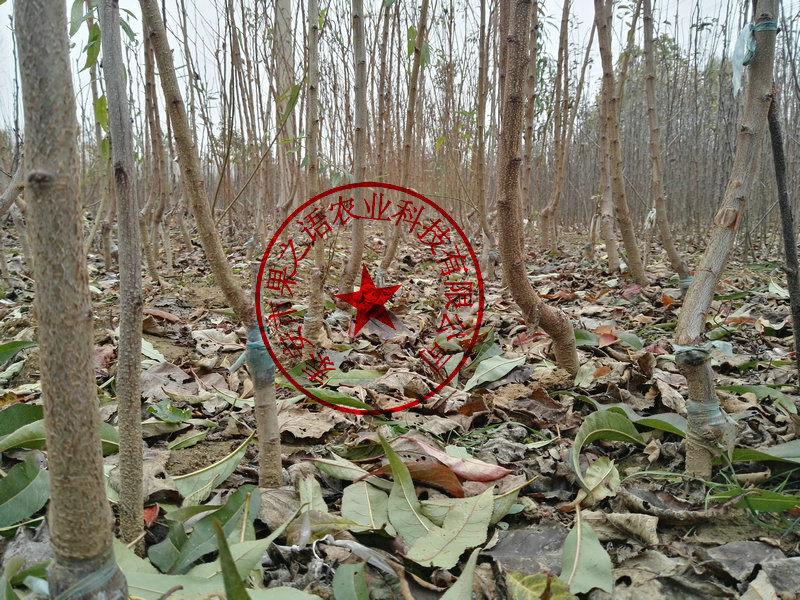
509	224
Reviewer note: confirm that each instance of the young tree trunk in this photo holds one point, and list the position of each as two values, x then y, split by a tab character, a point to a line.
313	325
787	219
129	395
359	143
709	426
509	224
560	110
610	114
408	134
155	160
480	131
657	183
79	515
262	369
606	203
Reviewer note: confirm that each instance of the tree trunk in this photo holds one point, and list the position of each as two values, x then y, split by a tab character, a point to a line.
509	225
313	326
657	182
787	219
129	396
611	115
709	426
480	130
359	143
408	134
79	515
262	370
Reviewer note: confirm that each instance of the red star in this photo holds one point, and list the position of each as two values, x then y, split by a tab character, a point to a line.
369	301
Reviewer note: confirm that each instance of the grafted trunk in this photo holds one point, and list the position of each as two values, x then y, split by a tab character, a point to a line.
709	427
509	225
262	368
79	515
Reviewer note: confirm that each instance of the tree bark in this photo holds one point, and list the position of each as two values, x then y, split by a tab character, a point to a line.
130	279
611	115
509	225
79	515
408	134
359	142
709	427
787	219
656	168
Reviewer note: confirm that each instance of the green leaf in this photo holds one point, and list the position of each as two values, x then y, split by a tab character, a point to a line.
464	527
17	415
436	508
338	398
411	37
188	439
76	17
101	112
169	414
405	511
786	452
234	588
246	556
493	369
9	349
127	29
631	339
368	506
349	582
12	567
33	436
757	499
462	588
165	554
92	46
603	425
586	338
195	487
243	504
341	468
532	587
670	422
23	492
584	562
293	94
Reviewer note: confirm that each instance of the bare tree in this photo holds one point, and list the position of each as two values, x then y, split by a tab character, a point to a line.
79	516
509	223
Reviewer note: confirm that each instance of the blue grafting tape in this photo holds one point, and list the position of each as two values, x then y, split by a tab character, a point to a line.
766	26
92	582
262	369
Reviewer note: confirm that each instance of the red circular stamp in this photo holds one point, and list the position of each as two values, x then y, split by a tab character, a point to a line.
436	331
